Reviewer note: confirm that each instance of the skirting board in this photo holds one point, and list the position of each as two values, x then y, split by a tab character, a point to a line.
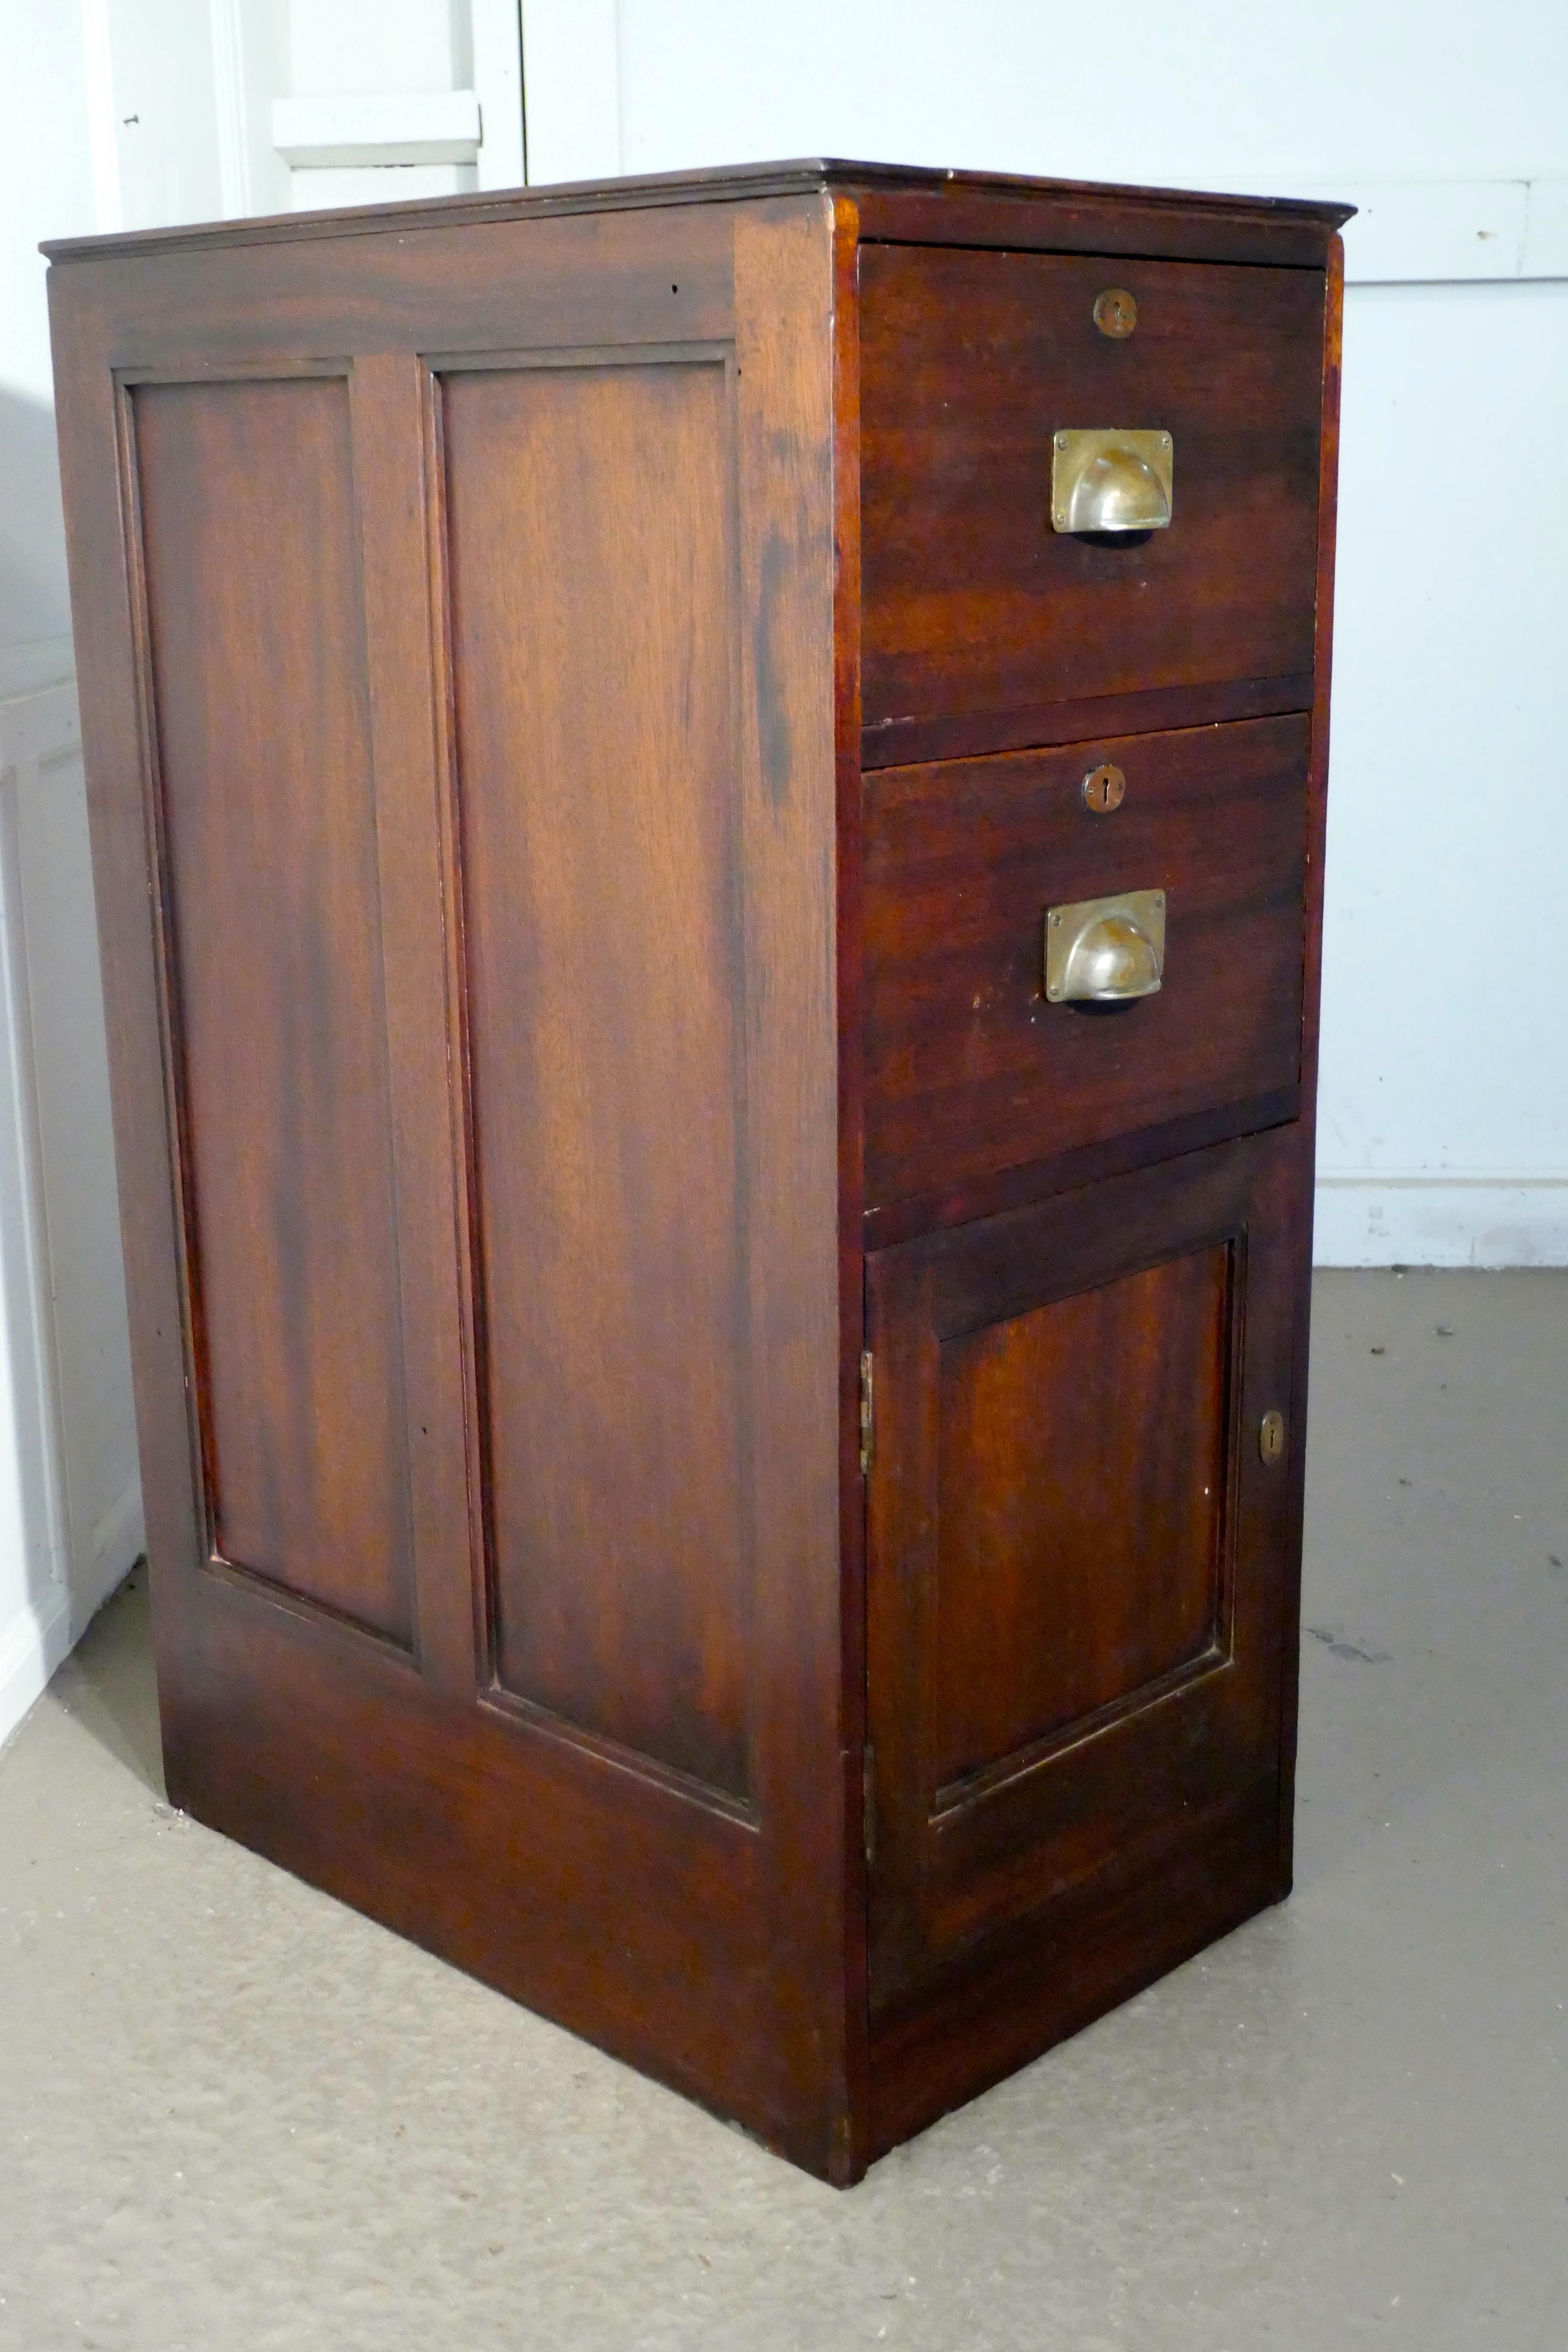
41	1635
1491	1219
31	1647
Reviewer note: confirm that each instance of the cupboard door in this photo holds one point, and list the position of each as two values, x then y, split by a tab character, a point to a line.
1082	1589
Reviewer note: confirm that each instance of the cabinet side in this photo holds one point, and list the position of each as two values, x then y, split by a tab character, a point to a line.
1317	826
784	319
577	490
860	1824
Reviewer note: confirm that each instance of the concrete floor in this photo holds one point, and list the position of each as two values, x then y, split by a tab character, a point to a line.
234	2114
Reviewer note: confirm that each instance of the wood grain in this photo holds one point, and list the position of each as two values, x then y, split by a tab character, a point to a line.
848	936
274	919
973	602
1014	1768
1311	1010
783	308
592	550
1080	1487
1070	1171
972	211
964	734
543	1071
700	1932
968	1070
394	484
922	205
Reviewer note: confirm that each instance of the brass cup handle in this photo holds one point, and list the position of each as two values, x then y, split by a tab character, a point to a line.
1106	950
1110	478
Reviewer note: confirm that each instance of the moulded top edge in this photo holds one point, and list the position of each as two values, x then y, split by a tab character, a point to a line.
732	185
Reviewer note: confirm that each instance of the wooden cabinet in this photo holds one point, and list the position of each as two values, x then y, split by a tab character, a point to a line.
712	1452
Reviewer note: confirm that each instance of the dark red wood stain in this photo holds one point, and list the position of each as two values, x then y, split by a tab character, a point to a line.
274	921
969	1069
584	715
972	603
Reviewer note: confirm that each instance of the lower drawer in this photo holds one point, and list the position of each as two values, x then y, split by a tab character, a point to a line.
969	1068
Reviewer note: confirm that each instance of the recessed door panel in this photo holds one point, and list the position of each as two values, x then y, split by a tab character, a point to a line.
1078	1559
591	555
252	575
1080	1486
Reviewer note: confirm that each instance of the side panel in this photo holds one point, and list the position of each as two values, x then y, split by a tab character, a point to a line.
260	726
539	955
1317	836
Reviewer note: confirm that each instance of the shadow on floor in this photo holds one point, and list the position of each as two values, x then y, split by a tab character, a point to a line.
108	1684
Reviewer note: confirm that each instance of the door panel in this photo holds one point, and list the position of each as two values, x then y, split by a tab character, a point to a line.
1078	1560
276	994
1080	1478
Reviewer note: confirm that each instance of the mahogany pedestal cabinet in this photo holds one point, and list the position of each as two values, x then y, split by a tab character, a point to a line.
708	815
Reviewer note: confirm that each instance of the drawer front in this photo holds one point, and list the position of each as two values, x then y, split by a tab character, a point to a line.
981	619
969	1069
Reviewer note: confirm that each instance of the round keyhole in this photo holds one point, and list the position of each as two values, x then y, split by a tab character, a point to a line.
1104	788
1115	313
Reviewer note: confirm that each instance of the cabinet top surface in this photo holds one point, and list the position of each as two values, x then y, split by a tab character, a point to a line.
736	184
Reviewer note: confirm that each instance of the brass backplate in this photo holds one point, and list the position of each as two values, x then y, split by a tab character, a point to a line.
1115	313
1124	933
1112	478
1271	1436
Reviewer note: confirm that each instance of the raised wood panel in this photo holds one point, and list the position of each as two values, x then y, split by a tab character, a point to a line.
251	565
1080	1497
591	561
970	363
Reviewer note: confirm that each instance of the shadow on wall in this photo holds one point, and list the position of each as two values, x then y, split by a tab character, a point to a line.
70	1510
34	602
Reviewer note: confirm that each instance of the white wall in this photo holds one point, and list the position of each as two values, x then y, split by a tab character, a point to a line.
1444	1111
70	1519
1222	92
379	102
1444	1122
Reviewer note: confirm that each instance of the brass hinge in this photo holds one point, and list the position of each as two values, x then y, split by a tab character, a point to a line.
867	1416
868	1802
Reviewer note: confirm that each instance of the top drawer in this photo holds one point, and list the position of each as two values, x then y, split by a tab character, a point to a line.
984	627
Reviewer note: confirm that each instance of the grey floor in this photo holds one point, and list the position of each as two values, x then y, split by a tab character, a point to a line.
232	2113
